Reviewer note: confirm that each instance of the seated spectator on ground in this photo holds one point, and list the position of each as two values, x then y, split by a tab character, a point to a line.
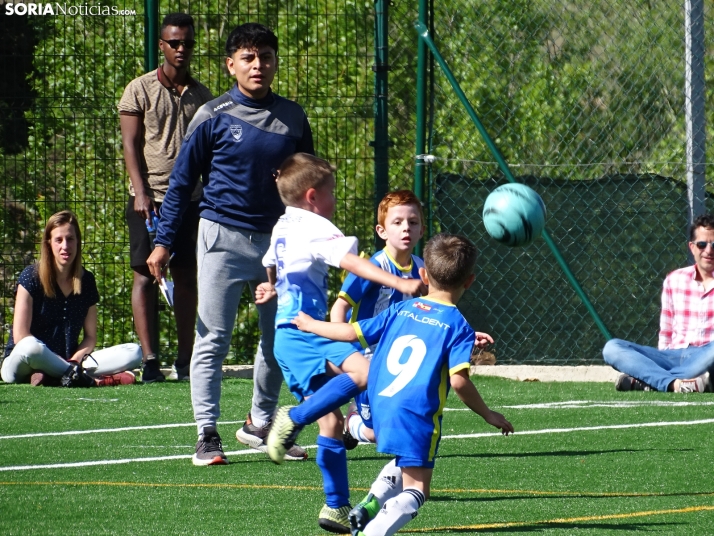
685	355
56	299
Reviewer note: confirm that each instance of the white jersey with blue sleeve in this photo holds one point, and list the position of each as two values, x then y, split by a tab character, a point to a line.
367	298
422	342
302	247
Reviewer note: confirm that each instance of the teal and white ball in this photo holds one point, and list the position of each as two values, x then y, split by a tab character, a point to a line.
514	214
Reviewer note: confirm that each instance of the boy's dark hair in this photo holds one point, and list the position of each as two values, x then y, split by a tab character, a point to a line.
180	20
705	220
397	198
449	260
250	35
300	172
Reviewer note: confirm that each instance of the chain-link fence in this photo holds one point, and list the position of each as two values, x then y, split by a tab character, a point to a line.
586	99
61	143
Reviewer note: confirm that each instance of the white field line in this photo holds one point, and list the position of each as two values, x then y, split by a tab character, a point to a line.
459	436
107	430
585	404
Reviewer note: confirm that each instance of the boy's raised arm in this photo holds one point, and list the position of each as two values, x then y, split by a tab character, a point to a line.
365	269
336	331
469	395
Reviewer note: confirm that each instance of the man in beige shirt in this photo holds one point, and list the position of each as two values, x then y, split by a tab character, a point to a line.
154	113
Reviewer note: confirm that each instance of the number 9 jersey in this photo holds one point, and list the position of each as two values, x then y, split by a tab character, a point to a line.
421	342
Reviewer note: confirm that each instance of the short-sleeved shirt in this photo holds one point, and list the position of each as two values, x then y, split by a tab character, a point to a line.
166	115
303	246
367	298
422	342
58	321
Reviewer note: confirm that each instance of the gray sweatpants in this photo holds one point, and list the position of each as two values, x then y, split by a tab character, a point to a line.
228	259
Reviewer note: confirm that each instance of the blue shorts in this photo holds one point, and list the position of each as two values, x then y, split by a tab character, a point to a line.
302	357
404	461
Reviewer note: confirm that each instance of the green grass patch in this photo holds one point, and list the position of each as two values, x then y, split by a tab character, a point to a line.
583	457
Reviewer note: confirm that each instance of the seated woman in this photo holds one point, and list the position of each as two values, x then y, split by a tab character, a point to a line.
57	299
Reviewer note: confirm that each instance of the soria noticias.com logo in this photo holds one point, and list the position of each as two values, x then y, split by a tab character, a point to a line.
84	9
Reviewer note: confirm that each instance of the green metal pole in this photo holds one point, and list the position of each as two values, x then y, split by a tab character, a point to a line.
151	62
419	164
424	37
381	141
151	35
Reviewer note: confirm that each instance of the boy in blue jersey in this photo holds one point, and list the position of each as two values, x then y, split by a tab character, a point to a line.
235	143
400	225
325	374
424	348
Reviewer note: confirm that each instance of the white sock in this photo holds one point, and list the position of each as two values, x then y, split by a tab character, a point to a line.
396	512
357	427
260	423
388	483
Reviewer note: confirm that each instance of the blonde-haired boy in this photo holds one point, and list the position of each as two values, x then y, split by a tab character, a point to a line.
322	373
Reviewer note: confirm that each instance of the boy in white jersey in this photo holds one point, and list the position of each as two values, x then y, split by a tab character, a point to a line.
325	374
424	348
400	224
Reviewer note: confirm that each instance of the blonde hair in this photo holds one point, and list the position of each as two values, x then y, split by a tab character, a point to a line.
449	260
46	265
398	198
300	172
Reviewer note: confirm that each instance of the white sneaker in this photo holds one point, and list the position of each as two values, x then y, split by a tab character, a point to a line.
695	385
179	374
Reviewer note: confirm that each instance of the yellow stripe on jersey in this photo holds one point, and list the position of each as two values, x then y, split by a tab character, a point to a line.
347	298
459	367
442	402
401	268
360	336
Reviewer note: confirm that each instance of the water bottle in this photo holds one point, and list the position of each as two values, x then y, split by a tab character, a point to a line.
151	225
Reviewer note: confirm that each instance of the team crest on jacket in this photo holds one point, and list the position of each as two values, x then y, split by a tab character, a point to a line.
237	132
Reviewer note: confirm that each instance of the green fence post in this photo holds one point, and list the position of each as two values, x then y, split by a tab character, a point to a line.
419	164
424	37
151	62
381	143
151	35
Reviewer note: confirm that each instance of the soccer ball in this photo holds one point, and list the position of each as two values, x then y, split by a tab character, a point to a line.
514	214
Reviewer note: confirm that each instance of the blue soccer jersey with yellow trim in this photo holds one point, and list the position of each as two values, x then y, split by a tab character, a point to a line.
421	343
367	298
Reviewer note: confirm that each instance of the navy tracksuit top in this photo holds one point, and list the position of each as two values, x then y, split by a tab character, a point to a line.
235	144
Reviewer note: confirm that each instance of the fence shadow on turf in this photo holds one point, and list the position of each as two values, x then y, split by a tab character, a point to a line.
555	453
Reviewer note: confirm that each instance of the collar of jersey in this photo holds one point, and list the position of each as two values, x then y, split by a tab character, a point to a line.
434	300
240	98
399	266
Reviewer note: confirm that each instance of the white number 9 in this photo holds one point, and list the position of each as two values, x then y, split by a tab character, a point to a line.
406	371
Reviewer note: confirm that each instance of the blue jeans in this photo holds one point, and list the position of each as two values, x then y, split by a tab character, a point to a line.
658	368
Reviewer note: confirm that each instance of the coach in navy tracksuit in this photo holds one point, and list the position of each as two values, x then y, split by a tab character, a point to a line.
235	142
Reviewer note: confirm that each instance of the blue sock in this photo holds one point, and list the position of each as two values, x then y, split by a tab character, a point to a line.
332	461
335	393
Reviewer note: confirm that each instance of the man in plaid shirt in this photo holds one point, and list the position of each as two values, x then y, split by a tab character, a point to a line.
686	337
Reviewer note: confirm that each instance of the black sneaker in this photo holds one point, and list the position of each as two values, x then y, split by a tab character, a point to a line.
254	437
151	371
628	383
75	376
209	450
348	439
